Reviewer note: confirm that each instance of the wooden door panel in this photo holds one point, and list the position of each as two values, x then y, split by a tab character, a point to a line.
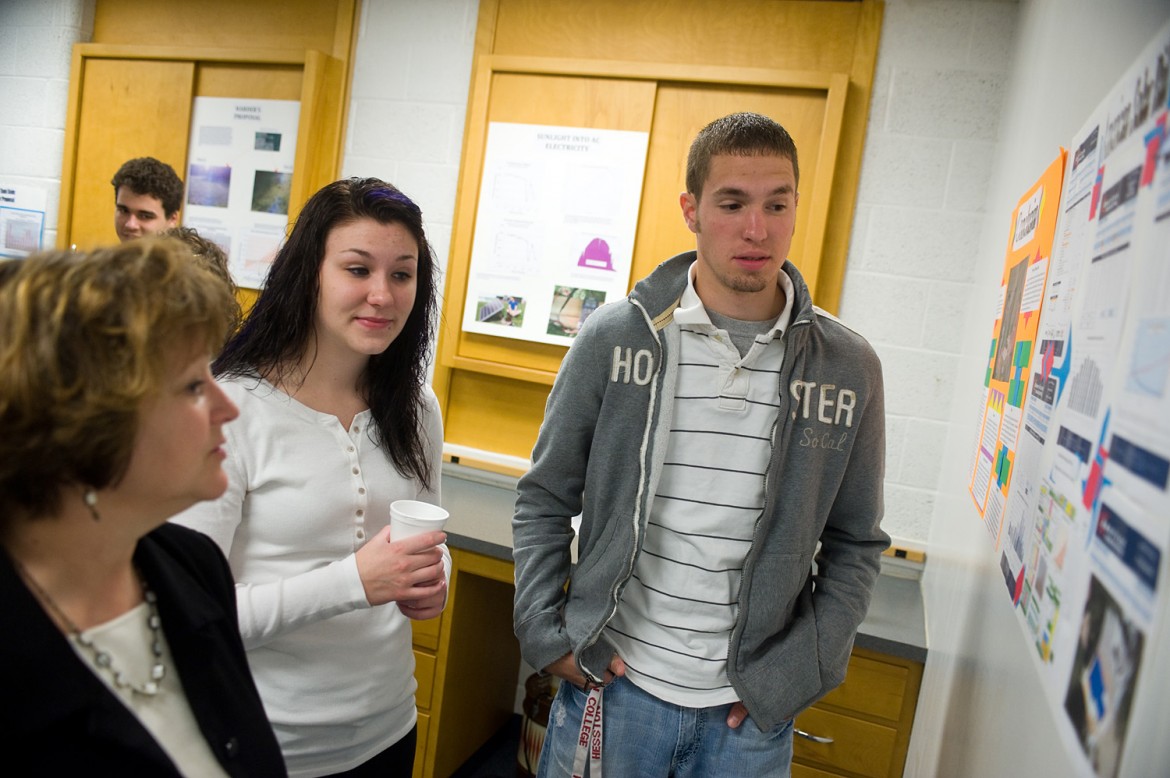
256	81
572	101
682	110
805	34
129	108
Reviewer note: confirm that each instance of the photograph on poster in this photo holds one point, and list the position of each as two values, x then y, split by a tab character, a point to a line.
209	185
571	306
1005	347
1104	676
270	192
267	141
501	310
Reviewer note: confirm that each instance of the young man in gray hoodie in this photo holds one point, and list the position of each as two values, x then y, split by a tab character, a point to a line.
717	434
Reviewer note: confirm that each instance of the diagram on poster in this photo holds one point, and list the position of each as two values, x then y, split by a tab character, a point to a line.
554	229
239	176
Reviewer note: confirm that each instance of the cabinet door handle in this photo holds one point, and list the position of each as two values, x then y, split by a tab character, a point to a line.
812	737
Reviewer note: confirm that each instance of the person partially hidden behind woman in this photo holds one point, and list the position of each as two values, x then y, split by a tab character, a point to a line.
121	653
337	421
210	256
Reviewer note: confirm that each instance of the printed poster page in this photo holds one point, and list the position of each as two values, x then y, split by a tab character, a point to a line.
239	176
1014	342
554	229
22	219
1092	541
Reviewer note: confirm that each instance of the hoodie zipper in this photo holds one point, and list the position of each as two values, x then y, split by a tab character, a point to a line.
790	360
642	482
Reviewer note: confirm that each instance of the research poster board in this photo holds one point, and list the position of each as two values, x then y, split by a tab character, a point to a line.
554	228
22	219
1088	522
239	176
1013	345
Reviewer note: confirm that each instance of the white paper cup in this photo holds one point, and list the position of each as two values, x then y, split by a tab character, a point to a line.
411	517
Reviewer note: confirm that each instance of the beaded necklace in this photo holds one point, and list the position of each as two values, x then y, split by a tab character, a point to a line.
101	658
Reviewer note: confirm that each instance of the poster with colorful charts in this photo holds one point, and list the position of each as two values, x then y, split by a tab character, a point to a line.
554	229
1013	346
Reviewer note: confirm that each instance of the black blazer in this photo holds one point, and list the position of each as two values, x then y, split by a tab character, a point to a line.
58	718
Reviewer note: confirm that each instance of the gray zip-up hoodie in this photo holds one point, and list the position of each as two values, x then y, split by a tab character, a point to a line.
600	453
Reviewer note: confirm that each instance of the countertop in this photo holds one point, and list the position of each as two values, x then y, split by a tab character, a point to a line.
481	505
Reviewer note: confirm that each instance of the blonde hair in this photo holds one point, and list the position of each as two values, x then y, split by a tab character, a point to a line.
84	340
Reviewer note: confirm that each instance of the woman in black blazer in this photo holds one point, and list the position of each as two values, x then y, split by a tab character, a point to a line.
121	652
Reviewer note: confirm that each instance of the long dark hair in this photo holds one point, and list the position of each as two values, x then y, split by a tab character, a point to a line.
280	328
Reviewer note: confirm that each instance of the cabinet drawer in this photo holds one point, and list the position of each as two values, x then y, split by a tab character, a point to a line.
872	687
426	633
424	673
858	746
805	771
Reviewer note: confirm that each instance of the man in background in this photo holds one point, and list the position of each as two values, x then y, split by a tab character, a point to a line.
147	195
724	443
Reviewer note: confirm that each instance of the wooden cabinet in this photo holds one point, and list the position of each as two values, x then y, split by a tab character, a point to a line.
866	720
466	663
426	641
426	644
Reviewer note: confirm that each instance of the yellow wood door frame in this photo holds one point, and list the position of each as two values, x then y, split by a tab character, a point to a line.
319	131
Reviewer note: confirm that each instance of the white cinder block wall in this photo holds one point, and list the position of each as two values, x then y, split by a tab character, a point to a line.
408	102
36	48
941	76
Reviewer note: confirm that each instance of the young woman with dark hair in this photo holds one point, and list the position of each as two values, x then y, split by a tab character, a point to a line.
337	421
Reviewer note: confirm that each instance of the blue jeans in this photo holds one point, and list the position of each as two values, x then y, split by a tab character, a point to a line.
648	738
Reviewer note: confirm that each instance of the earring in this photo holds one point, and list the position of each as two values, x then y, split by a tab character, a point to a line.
90	498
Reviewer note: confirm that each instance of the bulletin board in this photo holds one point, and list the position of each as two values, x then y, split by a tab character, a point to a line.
1081	504
617	66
